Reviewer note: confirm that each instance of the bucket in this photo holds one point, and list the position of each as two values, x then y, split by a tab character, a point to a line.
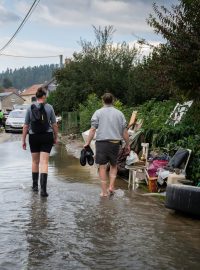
153	184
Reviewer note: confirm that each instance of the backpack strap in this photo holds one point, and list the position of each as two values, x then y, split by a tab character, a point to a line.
42	110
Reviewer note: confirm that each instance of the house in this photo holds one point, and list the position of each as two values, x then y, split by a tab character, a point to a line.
8	100
50	85
11	89
29	94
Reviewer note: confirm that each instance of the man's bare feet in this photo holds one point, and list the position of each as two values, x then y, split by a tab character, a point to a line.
111	192
103	194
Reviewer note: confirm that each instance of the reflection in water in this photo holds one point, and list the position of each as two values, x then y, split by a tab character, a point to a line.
75	229
40	246
97	235
68	168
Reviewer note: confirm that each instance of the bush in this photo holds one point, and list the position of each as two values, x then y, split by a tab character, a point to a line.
155	113
87	109
170	138
93	103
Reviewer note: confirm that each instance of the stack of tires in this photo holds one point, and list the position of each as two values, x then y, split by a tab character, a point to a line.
183	198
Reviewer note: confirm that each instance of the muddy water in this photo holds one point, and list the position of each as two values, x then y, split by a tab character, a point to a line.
75	229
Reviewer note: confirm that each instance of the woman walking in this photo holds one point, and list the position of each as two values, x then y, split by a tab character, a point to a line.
40	123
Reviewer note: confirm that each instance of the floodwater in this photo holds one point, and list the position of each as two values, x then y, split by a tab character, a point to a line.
75	229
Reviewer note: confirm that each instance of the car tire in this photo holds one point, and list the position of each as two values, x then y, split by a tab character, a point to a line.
183	198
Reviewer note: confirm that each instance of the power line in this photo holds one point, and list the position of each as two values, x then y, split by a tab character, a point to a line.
23	56
33	6
35	3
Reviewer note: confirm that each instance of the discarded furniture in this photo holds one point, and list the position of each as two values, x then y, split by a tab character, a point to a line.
180	160
174	178
183	198
121	163
133	119
140	166
177	167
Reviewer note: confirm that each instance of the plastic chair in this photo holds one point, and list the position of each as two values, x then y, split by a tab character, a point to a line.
174	178
139	167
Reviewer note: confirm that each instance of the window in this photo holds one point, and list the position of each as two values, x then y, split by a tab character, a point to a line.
33	99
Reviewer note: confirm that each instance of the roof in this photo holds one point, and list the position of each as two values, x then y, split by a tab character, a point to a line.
31	90
11	89
4	95
49	82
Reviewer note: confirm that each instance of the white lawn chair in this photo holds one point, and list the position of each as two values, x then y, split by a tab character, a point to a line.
174	178
135	168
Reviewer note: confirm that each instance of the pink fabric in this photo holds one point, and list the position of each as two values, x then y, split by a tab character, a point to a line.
155	165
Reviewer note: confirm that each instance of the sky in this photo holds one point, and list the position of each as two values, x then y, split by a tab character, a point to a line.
56	26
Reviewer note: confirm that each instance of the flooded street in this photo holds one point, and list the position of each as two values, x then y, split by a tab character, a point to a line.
75	229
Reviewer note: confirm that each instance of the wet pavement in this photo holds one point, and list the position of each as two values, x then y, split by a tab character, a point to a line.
75	229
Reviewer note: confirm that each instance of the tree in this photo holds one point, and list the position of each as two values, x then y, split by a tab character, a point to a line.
100	66
180	27
7	83
25	77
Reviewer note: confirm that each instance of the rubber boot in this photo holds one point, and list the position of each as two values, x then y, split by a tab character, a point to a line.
35	176
43	184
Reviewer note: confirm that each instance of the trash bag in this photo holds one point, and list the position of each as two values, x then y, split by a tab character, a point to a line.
132	158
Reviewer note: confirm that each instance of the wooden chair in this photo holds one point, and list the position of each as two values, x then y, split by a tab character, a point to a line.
140	166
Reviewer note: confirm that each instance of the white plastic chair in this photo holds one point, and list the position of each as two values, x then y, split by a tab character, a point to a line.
174	178
133	169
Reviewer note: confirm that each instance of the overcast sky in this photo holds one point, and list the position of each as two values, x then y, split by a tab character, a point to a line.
56	26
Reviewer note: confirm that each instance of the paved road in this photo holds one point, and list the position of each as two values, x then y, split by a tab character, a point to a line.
75	229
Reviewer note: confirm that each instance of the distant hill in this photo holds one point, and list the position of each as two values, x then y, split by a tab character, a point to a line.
25	77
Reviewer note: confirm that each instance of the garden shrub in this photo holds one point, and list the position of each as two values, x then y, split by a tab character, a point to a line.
92	104
170	138
87	109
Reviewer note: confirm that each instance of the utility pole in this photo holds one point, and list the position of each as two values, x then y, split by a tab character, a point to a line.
61	60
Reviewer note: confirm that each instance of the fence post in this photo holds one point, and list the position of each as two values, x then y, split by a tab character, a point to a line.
70	122
62	122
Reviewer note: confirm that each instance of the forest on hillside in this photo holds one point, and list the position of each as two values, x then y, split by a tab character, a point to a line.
25	77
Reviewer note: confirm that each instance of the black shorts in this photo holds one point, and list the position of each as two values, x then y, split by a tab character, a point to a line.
41	142
107	151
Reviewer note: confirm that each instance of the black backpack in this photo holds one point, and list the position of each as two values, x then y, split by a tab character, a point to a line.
39	120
